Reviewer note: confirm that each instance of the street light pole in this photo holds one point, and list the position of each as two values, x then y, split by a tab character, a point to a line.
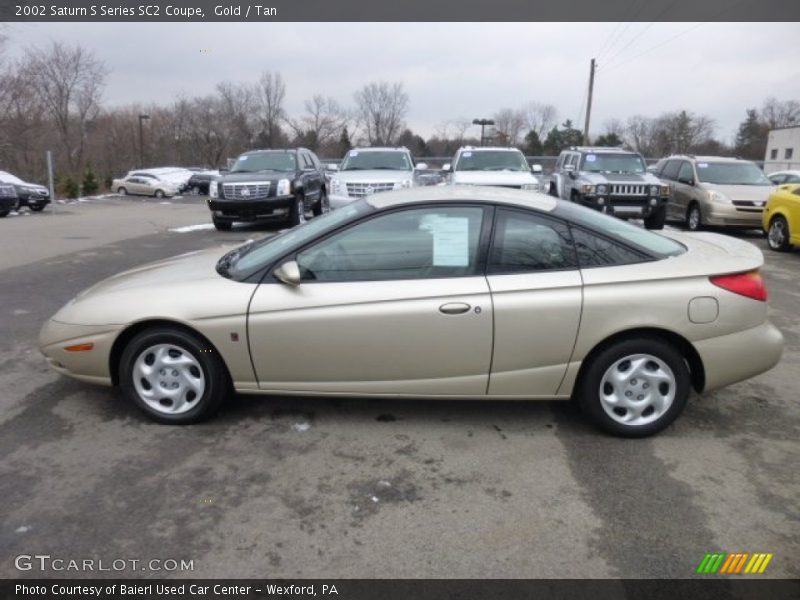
483	123
142	117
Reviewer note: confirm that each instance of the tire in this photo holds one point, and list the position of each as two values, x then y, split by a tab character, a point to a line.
36	207
694	217
322	205
195	191
573	197
656	219
552	191
200	386
122	191
4	213
223	225
159	193
297	215
778	234
657	376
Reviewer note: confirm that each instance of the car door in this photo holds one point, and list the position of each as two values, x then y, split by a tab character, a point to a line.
396	304
669	174
537	296
136	185
311	181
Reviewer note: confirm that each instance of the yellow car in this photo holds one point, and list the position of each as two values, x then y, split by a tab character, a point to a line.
781	218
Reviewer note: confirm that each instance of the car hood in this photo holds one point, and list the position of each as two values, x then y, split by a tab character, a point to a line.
184	287
257	176
494	177
743	192
632	178
375	175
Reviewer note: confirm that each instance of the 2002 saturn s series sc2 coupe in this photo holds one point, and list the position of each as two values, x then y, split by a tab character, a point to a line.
446	292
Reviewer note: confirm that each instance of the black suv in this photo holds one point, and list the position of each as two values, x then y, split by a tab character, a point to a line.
8	199
264	184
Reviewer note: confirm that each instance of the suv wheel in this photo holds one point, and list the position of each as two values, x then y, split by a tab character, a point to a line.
635	388
778	234
694	218
656	219
297	215
322	205
36	207
222	225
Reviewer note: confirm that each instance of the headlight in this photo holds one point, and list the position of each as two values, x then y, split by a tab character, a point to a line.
338	187
284	187
406	183
602	189
654	190
665	190
718	197
213	192
531	187
587	189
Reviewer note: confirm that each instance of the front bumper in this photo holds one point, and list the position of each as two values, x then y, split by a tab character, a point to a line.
33	199
250	210
738	356
337	201
92	365
729	215
625	207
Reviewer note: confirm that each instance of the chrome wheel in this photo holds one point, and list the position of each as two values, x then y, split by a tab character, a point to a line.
301	211
168	379
777	236
637	389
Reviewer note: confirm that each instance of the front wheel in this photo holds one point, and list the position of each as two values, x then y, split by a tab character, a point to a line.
122	191
36	207
4	213
173	376
694	218
656	219
322	205
635	387
297	215
159	194
778	235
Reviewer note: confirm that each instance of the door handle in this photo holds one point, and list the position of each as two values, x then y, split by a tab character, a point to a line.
454	308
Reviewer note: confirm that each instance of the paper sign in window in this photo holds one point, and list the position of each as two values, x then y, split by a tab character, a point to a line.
450	242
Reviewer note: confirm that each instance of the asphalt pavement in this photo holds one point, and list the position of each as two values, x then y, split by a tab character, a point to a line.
302	487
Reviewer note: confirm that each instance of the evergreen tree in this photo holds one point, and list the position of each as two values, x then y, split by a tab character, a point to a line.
751	139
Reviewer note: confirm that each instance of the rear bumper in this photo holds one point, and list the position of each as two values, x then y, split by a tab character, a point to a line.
250	210
738	356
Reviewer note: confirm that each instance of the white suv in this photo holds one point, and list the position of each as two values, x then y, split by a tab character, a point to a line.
503	167
366	171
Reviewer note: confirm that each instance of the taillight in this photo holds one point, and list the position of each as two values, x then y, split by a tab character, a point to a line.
748	284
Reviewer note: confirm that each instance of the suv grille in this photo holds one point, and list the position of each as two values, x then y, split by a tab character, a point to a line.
628	190
357	190
246	191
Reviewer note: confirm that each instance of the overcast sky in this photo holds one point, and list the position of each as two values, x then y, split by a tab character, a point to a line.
453	70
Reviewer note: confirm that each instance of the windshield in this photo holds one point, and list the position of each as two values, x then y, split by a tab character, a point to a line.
652	243
246	260
613	163
731	173
363	160
491	160
264	161
9	178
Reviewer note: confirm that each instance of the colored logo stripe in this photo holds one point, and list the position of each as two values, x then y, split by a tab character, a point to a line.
734	562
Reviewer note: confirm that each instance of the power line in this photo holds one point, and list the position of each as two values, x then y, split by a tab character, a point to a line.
644	29
664	43
630	21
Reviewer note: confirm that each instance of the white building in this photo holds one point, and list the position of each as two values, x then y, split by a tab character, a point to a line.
783	149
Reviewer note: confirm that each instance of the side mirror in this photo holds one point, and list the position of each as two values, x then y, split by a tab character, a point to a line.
571	174
687	181
421	166
447	167
288	273
536	168
331	167
569	168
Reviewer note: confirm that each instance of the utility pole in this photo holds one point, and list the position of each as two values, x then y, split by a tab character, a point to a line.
142	117
589	104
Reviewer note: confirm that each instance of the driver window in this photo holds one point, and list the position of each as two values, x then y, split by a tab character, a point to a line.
685	174
421	243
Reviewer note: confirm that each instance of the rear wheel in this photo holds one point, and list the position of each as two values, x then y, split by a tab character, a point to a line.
122	191
159	194
694	218
322	205
778	234
297	214
634	388
195	191
173	376
656	219
223	225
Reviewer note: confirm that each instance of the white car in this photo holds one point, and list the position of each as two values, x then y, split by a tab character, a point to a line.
502	167
366	171
782	177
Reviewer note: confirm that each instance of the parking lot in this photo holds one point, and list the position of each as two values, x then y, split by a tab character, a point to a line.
288	487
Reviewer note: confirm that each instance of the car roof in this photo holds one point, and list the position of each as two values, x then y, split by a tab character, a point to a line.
697	158
466	193
379	149
785	172
599	149
492	148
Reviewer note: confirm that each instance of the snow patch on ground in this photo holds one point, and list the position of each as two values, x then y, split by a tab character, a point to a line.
301	426
188	228
23	529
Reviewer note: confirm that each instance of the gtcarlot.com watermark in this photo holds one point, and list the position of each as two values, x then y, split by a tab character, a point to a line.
48	563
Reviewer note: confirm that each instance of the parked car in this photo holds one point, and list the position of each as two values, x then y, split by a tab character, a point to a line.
366	171
144	184
264	184
713	190
503	167
781	177
32	195
611	180
437	293
198	183
8	199
781	219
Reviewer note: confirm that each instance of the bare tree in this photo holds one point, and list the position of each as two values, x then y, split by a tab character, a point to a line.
776	113
69	81
381	109
322	123
508	126
540	117
269	97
